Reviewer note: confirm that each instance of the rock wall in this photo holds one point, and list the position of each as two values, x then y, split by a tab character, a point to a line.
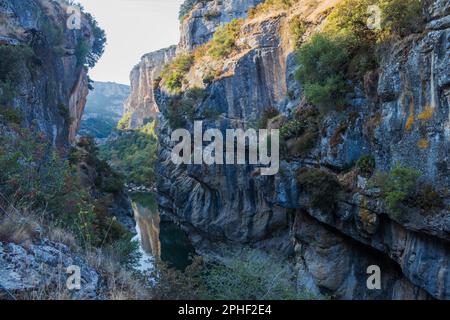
52	92
333	248
199	25
141	102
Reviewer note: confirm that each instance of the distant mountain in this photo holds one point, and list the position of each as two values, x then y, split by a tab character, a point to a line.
104	109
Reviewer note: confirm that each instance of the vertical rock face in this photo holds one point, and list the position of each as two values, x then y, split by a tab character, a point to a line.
141	103
402	117
200	23
52	87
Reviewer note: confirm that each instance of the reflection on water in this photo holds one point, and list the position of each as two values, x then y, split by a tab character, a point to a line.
159	239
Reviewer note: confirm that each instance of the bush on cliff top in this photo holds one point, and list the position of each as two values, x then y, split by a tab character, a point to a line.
86	53
224	40
322	62
346	47
173	74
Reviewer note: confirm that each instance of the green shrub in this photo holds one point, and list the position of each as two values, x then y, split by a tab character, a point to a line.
224	40
125	122
346	48
401	188
209	77
292	128
82	51
86	53
179	111
321	64
299	135
65	113
211	113
298	28
323	188
173	74
10	115
348	22
54	35
251	275
402	17
195	93
304	120
98	47
366	165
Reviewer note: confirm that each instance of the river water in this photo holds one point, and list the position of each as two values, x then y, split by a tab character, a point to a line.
159	239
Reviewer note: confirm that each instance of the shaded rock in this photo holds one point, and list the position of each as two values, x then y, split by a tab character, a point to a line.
33	268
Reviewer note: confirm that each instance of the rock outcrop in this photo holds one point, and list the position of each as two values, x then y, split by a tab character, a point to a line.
28	269
400	115
53	86
199	25
141	103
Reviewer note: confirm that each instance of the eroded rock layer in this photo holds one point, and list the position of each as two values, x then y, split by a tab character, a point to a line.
400	115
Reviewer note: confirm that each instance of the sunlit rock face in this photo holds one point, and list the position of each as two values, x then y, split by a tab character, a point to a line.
401	114
141	103
199	25
52	89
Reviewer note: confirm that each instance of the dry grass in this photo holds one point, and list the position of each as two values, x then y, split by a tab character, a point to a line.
119	282
59	235
19	227
51	291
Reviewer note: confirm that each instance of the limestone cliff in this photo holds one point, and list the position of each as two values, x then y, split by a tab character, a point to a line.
399	115
198	26
141	103
52	86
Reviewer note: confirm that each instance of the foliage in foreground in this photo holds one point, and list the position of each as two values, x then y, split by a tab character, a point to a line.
36	176
243	275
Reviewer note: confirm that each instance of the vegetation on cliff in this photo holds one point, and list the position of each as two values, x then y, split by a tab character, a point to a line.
401	189
347	48
243	274
133	153
12	59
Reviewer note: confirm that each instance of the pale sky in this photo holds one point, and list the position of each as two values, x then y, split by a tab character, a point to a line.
133	28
